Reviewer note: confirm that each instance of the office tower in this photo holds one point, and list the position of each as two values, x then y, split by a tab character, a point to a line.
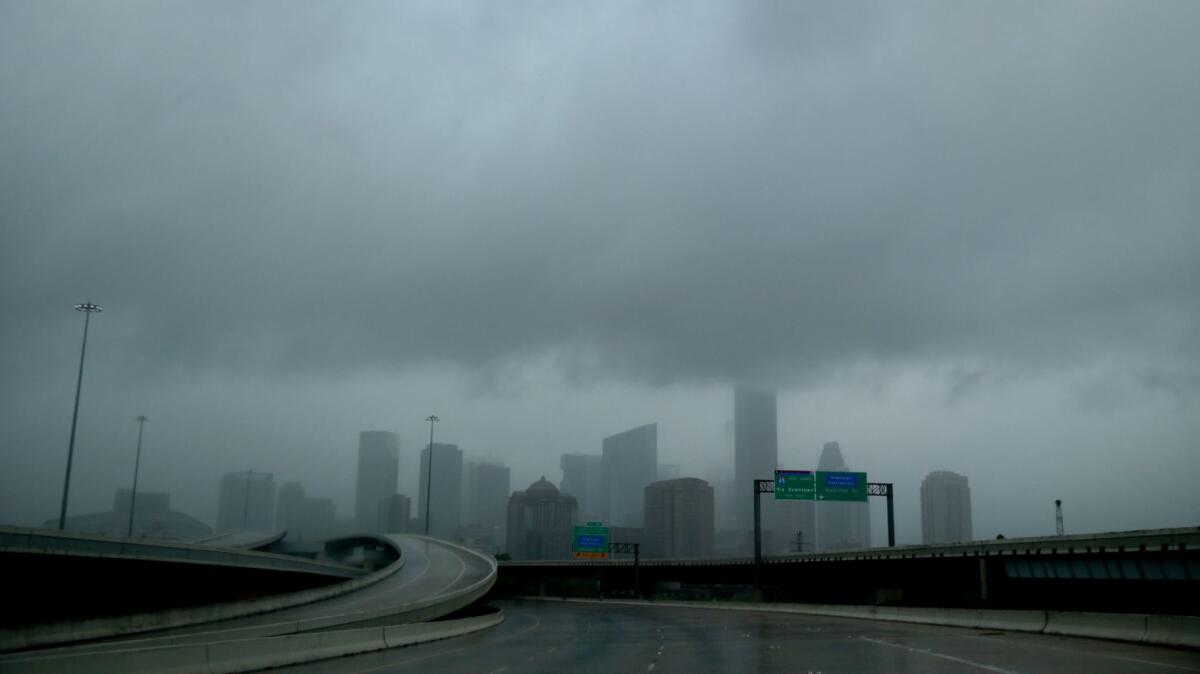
394	514
378	471
488	488
445	505
755	448
541	522
305	518
945	508
679	519
841	525
630	463
583	478
247	501
289	509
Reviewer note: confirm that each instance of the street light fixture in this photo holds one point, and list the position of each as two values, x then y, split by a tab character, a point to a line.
136	464
432	419
88	309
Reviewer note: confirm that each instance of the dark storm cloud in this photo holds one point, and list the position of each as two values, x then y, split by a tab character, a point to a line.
673	193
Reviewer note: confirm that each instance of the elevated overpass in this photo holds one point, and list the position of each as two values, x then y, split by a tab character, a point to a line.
1153	571
411	579
242	539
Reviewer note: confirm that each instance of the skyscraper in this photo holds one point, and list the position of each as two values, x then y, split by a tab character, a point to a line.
445	505
394	514
841	525
540	522
305	518
378	470
583	478
630	463
755	451
679	519
247	501
488	488
945	508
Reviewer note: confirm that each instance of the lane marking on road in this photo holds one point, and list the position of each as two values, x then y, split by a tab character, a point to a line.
498	670
943	656
460	574
650	668
552	649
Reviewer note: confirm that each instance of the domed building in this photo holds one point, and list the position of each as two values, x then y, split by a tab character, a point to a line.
541	521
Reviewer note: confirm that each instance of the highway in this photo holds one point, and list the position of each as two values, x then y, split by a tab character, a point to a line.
577	638
422	589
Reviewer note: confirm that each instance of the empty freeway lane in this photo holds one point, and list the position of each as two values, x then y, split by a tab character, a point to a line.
568	637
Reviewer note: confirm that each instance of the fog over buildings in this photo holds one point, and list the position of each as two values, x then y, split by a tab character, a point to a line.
944	235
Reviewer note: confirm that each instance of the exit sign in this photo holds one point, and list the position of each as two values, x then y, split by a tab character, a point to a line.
795	485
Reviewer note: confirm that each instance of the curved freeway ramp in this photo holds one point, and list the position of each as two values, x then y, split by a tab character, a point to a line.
433	579
241	539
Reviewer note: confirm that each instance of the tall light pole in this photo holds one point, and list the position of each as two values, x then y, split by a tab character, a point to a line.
88	309
136	464
432	419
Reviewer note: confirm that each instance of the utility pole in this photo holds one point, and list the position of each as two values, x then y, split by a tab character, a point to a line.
432	419
136	464
88	309
1058	523
799	540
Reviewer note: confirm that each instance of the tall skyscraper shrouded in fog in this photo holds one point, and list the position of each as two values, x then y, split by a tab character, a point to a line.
305	518
445	504
583	478
755	451
247	501
630	463
679	519
945	508
395	514
841	525
378	471
486	499
540	522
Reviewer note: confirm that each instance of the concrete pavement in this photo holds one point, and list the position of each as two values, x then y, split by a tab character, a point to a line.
578	638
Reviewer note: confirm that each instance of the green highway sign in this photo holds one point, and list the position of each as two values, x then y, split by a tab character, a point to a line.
590	542
795	485
836	486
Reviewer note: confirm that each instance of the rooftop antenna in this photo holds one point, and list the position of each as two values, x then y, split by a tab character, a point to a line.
1058	526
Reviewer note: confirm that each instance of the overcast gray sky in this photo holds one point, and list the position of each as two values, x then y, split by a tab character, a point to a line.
960	236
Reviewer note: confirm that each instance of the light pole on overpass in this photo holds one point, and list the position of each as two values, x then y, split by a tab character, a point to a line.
137	462
88	309
432	419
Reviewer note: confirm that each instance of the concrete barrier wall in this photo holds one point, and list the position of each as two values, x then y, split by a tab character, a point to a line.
227	657
1173	630
1135	627
43	542
1119	626
47	635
